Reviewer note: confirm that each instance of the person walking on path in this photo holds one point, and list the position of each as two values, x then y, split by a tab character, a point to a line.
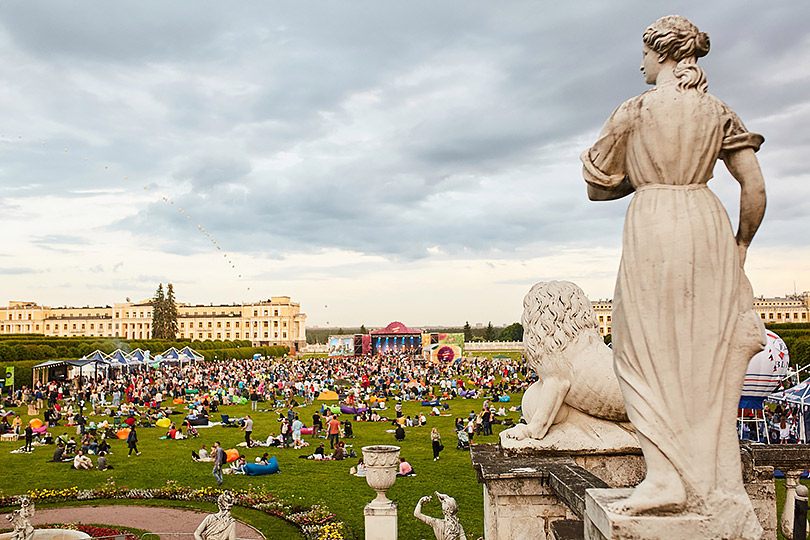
248	429
132	442
219	461
436	440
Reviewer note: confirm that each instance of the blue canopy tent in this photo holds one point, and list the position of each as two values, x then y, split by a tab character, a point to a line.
138	356
797	395
191	353
118	359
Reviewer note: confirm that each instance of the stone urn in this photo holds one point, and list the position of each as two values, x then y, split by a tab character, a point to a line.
382	465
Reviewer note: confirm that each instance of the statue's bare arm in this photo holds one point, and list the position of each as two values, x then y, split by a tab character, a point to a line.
417	512
744	167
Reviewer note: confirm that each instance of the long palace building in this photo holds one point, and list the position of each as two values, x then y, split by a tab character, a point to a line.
794	308
277	321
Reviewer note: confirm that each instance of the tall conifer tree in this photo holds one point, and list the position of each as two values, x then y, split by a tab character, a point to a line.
159	325
171	314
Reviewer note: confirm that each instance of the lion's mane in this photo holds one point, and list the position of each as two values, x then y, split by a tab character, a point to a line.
554	314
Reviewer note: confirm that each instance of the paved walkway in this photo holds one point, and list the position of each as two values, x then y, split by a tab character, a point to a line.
150	518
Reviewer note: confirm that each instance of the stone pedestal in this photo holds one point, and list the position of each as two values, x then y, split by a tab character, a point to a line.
520	499
602	524
381	521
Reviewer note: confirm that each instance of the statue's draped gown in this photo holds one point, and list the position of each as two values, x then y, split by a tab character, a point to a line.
680	290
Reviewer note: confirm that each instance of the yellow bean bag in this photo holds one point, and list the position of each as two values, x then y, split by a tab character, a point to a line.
163	423
35	423
231	455
122	433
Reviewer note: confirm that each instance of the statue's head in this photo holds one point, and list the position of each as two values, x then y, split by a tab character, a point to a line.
674	38
449	504
225	501
555	313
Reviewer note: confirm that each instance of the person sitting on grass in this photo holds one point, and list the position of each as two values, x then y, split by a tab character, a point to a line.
340	450
318	454
239	466
82	462
59	454
360	469
202	456
262	460
102	461
405	468
399	433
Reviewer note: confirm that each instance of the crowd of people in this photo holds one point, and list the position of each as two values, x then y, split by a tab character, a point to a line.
152	397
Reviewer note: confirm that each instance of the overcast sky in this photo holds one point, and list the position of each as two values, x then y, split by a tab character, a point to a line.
375	161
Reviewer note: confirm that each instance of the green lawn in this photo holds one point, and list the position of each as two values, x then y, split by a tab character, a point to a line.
302	481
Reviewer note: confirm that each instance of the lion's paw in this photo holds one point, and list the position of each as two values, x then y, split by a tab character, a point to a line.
518	432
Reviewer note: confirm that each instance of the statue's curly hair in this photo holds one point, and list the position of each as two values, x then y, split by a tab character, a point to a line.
677	38
554	314
226	499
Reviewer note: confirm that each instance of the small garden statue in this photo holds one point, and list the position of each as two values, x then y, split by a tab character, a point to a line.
219	526
448	528
21	520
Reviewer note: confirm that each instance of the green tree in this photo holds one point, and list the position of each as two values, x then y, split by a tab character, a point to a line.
171	314
467	332
159	315
513	332
489	333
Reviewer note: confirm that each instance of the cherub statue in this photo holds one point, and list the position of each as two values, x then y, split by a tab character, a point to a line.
576	404
448	528
21	520
219	526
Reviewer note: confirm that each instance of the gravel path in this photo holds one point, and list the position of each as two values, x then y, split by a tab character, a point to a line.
150	518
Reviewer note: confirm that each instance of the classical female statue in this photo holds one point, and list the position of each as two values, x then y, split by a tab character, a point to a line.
219	526
683	325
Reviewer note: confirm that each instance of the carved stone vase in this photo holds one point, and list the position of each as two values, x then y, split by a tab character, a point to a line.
382	464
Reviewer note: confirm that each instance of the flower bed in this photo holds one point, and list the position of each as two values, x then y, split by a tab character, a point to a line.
94	531
316	521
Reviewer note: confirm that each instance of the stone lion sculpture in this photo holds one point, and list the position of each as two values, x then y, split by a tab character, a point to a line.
576	404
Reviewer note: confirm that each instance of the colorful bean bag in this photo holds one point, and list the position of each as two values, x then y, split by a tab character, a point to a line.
122	433
40	430
199	421
335	409
231	455
306	431
35	423
192	391
177	401
163	423
505	399
254	469
433	403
